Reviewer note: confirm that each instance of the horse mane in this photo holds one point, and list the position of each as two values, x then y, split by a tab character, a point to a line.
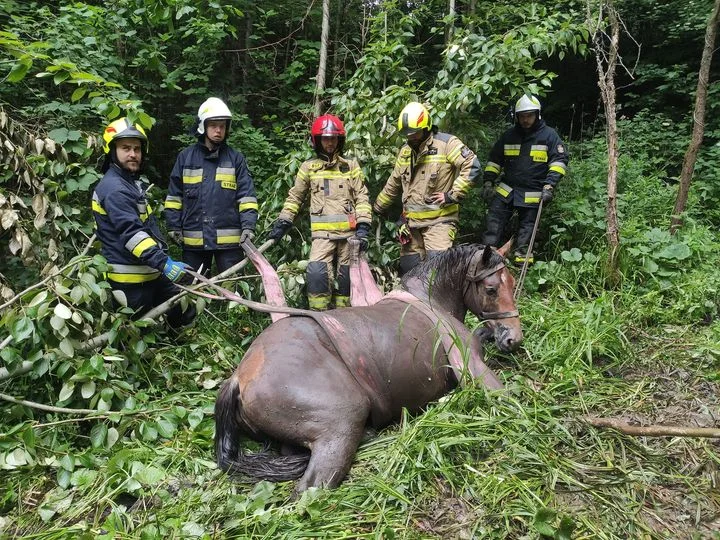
442	270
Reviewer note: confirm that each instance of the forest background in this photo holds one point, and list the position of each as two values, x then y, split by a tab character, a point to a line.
524	463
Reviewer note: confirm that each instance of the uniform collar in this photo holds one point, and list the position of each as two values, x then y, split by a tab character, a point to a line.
211	154
424	146
124	173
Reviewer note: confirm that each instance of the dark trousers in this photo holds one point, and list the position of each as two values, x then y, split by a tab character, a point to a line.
144	296
498	216
224	258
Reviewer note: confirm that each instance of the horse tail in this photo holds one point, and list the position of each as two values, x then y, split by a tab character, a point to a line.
263	465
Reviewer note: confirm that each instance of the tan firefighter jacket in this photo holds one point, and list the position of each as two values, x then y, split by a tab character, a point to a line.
442	163
338	197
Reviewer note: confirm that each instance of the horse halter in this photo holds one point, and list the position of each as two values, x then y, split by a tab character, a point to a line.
483	274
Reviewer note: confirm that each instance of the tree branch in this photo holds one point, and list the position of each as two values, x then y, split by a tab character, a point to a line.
50	408
651	430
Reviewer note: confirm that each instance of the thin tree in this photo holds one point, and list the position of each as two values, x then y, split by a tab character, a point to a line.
698	119
322	67
606	55
450	29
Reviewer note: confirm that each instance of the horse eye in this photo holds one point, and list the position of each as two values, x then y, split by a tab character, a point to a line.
491	291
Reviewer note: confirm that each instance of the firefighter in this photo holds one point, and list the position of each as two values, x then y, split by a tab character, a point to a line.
533	159
433	172
140	269
339	209
211	206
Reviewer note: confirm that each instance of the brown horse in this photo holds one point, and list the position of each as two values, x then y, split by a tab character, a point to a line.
316	382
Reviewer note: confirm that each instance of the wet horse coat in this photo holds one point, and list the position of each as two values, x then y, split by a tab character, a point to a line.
315	382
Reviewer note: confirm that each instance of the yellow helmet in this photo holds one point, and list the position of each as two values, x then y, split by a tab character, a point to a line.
123	129
413	118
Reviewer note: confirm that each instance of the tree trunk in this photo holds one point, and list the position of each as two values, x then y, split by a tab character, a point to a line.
698	120
450	29
606	56
471	15
322	67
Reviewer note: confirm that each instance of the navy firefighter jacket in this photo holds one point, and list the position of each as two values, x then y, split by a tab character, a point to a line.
529	161
128	231
211	197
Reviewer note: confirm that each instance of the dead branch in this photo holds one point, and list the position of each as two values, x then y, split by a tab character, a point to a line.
49	408
24	368
654	430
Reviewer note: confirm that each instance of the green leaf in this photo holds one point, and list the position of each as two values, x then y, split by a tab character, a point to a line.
677	251
19	70
574	255
63	478
67	348
145	120
38	298
107	394
62	311
166	427
60	77
67	462
98	434
22	329
112	437
83	477
78	94
66	391
195	417
88	389
149	476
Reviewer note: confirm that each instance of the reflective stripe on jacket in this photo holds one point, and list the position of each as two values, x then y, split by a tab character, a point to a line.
441	164
529	161
211	197
338	197
127	230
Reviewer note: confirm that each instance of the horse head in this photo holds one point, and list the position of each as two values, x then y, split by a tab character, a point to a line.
488	293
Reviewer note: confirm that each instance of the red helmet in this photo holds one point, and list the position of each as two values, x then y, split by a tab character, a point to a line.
327	125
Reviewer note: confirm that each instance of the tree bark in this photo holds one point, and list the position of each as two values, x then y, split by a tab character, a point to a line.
322	67
606	56
698	120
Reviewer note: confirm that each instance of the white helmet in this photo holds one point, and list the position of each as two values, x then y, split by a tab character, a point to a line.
213	109
527	103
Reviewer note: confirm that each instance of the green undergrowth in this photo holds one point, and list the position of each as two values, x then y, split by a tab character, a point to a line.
519	463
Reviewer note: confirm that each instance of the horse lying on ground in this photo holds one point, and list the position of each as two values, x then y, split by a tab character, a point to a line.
315	382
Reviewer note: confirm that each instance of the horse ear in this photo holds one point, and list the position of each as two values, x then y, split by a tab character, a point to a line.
506	248
486	255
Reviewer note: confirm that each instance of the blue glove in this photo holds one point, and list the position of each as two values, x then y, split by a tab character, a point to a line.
174	270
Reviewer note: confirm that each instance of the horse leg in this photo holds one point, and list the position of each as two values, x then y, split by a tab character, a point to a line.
332	453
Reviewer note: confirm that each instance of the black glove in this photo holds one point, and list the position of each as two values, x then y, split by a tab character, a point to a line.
361	233
247	234
280	228
175	237
449	199
488	191
547	194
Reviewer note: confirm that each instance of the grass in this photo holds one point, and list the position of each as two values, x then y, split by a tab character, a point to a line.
517	463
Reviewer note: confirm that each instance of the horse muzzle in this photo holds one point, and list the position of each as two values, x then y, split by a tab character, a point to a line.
507	338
